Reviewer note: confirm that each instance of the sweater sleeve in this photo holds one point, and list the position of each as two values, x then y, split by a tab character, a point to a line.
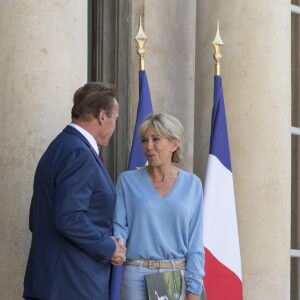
195	256
120	213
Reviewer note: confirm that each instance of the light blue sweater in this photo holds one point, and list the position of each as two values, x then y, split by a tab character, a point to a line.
161	228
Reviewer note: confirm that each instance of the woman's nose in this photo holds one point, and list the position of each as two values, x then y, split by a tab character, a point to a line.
149	145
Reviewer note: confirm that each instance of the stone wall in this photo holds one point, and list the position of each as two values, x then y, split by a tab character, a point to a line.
43	60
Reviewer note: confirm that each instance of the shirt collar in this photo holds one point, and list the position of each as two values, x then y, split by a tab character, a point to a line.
87	135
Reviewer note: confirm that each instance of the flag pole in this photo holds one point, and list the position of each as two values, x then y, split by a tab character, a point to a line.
217	44
137	158
141	39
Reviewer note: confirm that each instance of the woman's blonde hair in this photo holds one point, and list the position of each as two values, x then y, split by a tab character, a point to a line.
168	127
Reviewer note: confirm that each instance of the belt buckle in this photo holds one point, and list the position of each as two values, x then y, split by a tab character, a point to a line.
151	264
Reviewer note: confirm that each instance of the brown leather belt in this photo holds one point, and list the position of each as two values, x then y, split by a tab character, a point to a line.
155	264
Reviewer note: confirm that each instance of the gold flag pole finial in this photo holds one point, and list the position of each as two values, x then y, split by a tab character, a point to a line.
217	44
141	39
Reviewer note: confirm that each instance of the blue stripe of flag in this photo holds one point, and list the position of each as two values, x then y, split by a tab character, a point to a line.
137	157
219	144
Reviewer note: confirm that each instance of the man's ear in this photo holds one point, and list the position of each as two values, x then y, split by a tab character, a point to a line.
101	116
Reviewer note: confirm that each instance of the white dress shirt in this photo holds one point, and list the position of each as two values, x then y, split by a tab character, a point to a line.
88	136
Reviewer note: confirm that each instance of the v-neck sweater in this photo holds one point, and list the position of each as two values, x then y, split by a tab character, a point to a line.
162	227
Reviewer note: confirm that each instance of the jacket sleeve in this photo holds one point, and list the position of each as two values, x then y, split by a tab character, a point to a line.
74	188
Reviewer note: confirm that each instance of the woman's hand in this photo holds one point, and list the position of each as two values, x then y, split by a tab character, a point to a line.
191	296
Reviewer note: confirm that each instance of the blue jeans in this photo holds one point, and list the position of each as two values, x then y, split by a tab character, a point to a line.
133	281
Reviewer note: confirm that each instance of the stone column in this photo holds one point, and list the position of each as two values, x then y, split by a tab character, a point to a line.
256	81
43	60
169	61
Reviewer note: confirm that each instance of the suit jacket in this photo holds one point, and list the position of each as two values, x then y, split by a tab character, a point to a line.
71	222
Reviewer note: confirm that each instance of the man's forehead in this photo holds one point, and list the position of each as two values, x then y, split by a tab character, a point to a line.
116	108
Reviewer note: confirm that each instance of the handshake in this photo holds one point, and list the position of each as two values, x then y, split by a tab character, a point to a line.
118	257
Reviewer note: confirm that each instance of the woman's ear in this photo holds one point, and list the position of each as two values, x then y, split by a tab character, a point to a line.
175	146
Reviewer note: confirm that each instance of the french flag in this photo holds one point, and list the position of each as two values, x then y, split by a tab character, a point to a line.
223	275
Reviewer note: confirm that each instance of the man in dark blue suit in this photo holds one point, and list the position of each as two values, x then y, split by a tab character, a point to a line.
72	206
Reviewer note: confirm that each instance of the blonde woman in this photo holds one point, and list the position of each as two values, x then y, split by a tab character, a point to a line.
158	213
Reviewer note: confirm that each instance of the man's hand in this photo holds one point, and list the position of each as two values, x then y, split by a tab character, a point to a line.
118	257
